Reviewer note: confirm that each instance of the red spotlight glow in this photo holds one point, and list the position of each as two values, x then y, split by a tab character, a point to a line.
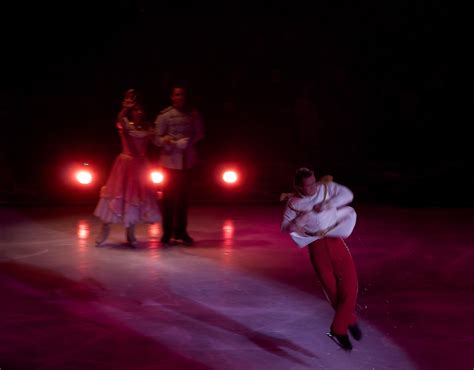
157	177
83	229
230	177
84	177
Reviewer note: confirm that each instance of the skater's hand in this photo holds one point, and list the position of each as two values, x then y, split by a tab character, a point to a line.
167	139
320	233
128	103
326	179
182	143
130	99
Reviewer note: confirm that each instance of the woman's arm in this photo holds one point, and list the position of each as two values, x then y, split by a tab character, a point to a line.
127	104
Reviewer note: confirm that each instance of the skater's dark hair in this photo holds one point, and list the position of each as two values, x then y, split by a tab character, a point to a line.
301	174
180	85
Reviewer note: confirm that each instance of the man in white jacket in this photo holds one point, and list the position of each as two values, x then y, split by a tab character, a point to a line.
177	130
317	216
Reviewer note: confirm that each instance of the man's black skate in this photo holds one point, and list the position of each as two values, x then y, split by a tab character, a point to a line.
341	340
187	240
355	331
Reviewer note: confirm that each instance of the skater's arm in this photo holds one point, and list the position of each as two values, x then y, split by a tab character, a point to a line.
122	121
290	220
339	196
162	137
127	104
288	225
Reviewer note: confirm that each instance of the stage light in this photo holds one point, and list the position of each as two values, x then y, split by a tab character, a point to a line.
230	177
157	177
84	177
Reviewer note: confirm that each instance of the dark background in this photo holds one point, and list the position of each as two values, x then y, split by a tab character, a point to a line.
378	95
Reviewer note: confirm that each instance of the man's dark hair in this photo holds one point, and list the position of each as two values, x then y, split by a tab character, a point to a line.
301	174
180	85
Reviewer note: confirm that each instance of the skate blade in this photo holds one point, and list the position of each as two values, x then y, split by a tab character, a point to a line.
334	339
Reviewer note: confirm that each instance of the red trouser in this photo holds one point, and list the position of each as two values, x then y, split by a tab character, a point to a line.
334	266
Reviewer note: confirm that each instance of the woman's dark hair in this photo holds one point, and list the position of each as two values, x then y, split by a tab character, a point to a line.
138	105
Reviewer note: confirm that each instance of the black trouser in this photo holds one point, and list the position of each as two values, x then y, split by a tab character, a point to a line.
175	202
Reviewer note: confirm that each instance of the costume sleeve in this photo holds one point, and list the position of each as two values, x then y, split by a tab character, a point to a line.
338	196
289	217
161	130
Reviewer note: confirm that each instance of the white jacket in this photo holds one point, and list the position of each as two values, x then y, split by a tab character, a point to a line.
334	219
